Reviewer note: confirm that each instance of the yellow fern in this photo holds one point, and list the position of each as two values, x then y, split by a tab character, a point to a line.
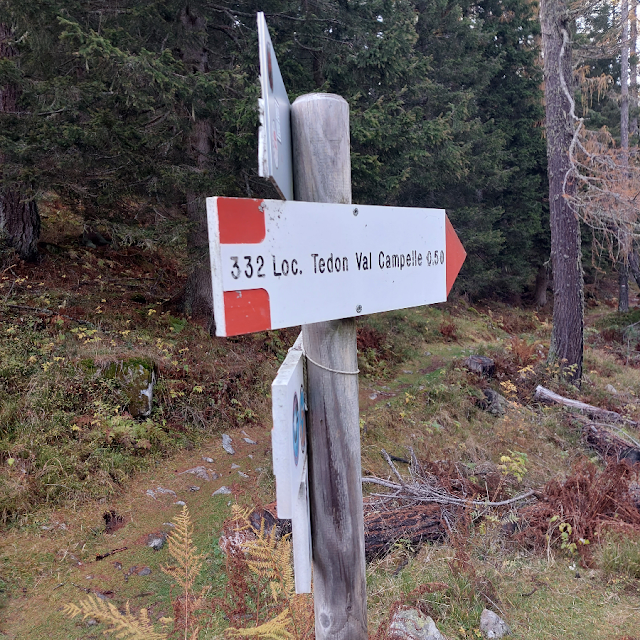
275	629
270	559
124	625
189	564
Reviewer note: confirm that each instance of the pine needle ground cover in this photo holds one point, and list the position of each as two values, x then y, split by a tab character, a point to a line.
72	460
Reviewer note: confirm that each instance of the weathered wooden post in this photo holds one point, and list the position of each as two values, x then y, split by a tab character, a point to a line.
322	173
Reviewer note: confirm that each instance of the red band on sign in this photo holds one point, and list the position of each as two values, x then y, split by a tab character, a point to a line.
455	254
241	220
246	311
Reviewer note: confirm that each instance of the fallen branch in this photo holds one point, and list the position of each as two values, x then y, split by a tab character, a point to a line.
549	397
610	441
427	494
49	312
421	489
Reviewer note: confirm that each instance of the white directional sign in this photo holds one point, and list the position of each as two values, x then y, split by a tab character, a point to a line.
289	444
279	264
274	139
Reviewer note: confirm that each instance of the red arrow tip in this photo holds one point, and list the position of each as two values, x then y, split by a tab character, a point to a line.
455	254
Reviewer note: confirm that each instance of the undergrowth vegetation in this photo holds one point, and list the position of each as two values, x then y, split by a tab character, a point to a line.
69	444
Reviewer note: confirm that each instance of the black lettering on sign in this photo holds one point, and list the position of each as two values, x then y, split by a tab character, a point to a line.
235	269
249	270
260	261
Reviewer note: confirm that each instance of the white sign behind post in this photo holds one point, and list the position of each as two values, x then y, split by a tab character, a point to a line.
289	444
280	264
275	160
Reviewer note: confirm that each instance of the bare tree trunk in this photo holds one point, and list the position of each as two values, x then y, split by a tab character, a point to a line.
19	218
633	46
542	282
623	269
198	297
568	286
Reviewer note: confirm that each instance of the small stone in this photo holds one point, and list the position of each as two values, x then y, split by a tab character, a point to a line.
249	441
373	396
145	571
410	624
91	622
226	444
406	371
235	466
156	541
198	472
209	460
611	389
250	457
163	491
151	494
194	489
221	491
118	565
169	524
181	503
492	625
242	475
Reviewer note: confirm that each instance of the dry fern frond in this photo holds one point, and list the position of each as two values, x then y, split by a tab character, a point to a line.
184	552
275	629
125	625
270	559
189	564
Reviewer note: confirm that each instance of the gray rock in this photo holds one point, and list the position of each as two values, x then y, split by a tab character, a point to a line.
160	491
242	475
249	441
221	491
493	626
156	540
235	466
611	389
202	473
181	503
91	622
495	403
137	377
194	488
145	571
208	460
411	624
226	444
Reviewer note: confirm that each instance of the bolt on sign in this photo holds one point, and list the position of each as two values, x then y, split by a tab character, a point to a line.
274	138
289	444
279	264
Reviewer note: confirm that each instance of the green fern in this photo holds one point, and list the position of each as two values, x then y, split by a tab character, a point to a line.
125	625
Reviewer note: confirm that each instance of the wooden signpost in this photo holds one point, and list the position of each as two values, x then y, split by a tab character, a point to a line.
319	261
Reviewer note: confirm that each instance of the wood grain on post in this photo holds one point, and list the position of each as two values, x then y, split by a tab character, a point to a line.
322	173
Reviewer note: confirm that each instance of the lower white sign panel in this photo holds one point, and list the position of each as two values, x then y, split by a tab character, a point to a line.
289	443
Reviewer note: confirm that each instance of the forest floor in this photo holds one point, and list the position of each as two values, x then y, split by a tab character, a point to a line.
76	468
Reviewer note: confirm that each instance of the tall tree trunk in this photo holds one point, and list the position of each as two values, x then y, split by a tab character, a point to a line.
19	218
568	286
198	297
633	51
623	269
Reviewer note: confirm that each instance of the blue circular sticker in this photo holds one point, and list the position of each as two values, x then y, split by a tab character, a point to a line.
296	428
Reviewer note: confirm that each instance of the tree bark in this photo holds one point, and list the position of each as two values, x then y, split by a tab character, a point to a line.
633	50
623	269
542	282
568	286
19	217
198	296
